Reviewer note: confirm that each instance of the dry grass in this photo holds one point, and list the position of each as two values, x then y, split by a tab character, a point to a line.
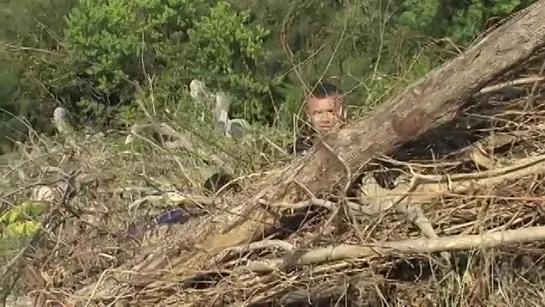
97	250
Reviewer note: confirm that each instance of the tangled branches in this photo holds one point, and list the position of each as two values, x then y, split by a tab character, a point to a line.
463	203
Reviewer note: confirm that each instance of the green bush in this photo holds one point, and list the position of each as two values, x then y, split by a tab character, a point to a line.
22	220
115	43
460	20
89	55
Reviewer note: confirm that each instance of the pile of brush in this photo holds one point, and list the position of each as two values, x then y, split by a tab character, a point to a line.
449	217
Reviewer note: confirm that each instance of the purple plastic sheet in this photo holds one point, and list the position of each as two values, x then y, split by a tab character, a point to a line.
171	216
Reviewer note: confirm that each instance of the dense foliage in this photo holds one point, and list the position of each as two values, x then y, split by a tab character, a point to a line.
89	55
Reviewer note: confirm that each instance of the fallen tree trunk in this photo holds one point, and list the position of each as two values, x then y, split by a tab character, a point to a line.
424	105
428	103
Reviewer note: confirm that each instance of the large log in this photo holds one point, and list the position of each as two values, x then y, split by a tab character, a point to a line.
428	103
423	106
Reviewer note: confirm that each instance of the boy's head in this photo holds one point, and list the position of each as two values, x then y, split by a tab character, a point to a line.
325	106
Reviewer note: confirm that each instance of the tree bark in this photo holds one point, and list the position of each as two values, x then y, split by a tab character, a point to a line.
428	103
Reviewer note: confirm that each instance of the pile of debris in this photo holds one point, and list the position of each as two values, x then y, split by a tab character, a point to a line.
453	219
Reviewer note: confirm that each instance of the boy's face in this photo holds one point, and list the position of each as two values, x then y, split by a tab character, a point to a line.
323	112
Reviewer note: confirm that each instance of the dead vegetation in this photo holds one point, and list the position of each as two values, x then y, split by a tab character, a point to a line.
461	226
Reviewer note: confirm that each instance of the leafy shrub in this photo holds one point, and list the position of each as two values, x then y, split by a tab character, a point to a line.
88	55
22	220
115	43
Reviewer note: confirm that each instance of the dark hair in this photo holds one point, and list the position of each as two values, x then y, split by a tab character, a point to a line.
323	89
